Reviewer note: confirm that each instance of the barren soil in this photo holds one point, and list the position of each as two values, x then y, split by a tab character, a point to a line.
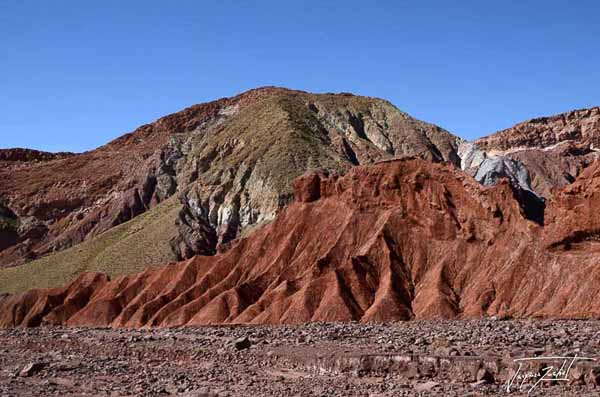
396	359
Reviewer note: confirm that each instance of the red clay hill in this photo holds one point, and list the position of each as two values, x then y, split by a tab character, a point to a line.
398	240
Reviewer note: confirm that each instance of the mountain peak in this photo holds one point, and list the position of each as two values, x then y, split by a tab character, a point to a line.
229	161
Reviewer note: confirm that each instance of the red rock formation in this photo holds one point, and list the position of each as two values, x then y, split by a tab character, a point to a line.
28	155
578	125
396	240
553	149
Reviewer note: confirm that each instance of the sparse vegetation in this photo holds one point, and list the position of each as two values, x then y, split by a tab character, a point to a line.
127	248
243	163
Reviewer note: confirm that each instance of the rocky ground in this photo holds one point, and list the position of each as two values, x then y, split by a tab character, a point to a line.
449	358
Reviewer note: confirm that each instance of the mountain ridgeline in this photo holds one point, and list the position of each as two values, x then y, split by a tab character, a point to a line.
228	165
278	206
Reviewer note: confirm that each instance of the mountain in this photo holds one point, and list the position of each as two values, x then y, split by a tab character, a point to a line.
196	218
207	175
398	240
554	150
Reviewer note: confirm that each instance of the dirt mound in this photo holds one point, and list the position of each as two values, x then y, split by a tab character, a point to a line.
396	240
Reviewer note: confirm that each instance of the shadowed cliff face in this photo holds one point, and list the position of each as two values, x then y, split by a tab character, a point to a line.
396	240
488	169
539	156
230	161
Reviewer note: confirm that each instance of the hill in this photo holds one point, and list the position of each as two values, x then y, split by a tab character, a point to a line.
555	149
399	240
229	163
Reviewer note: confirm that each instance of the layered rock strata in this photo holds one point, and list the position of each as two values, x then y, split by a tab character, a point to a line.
399	240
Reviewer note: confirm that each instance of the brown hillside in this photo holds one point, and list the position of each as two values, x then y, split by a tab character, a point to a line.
396	240
554	149
230	162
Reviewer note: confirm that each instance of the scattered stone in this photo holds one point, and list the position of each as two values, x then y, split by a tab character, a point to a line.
242	343
479	384
484	375
32	369
194	362
593	376
427	386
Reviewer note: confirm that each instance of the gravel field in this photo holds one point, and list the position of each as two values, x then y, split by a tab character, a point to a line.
428	358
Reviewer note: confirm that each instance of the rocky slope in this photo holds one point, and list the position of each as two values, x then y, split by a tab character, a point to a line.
231	162
553	149
129	247
404	239
13	158
57	201
488	169
399	359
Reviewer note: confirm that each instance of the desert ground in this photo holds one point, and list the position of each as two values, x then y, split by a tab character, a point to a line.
428	358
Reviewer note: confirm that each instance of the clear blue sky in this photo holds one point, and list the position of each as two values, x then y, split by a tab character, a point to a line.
75	74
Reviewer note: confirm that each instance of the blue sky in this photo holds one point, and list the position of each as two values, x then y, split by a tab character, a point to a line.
75	74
